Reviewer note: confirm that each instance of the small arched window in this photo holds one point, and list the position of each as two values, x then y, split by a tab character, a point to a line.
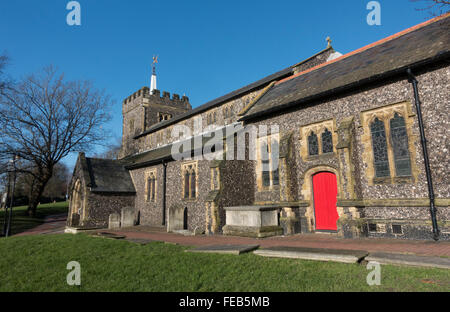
380	153
327	142
399	138
313	144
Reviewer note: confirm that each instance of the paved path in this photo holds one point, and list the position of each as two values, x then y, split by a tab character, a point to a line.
53	224
414	247
56	224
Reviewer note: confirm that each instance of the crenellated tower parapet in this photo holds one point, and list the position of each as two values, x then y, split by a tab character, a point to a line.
143	109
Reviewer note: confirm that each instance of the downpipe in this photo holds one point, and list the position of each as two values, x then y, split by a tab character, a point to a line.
164	192
412	79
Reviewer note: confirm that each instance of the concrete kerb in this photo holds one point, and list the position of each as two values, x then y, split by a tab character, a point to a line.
316	254
224	249
409	260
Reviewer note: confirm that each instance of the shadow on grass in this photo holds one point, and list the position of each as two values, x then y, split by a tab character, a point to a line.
22	222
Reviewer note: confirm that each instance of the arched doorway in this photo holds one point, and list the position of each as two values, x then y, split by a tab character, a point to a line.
76	203
325	198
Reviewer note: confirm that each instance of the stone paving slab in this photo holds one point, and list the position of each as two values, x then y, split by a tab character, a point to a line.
412	260
108	235
317	254
225	249
140	241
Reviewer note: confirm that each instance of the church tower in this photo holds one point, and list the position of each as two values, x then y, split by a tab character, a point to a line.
147	107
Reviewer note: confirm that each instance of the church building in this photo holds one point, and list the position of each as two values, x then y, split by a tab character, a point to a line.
357	145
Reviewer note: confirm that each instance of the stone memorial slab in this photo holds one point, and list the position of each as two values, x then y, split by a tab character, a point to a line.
411	260
225	249
318	254
127	217
114	221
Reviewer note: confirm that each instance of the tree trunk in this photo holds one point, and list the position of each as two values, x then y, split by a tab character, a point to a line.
36	192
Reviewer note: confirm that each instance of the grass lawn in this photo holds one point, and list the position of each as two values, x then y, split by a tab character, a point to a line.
22	222
38	263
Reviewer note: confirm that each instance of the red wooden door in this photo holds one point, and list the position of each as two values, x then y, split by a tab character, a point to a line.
325	199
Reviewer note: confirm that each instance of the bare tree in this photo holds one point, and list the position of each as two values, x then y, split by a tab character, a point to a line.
43	118
3	81
112	150
56	187
435	7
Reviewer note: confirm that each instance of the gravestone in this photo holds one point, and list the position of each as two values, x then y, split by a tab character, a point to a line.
127	217
114	221
75	220
176	218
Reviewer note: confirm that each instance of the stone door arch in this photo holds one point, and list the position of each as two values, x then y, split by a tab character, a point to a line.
307	192
76	203
325	200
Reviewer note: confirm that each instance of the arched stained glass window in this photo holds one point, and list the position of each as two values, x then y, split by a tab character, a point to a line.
327	142
399	138
313	144
379	144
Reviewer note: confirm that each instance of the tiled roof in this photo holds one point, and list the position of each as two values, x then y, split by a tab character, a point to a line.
218	101
417	46
109	176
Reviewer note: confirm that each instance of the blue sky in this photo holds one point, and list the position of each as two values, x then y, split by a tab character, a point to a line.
206	48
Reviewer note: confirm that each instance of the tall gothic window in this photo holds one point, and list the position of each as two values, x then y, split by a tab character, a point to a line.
327	142
186	184
265	164
399	139
274	158
313	144
269	157
151	188
193	184
152	198
190	181
380	152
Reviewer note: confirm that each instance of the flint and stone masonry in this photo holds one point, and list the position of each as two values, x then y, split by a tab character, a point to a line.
350	154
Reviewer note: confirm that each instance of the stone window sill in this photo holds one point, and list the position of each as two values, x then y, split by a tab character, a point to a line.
393	180
320	156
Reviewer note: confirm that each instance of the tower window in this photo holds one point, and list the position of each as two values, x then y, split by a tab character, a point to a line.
164	116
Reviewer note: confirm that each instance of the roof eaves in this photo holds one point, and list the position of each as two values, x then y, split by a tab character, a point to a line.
367	47
345	88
